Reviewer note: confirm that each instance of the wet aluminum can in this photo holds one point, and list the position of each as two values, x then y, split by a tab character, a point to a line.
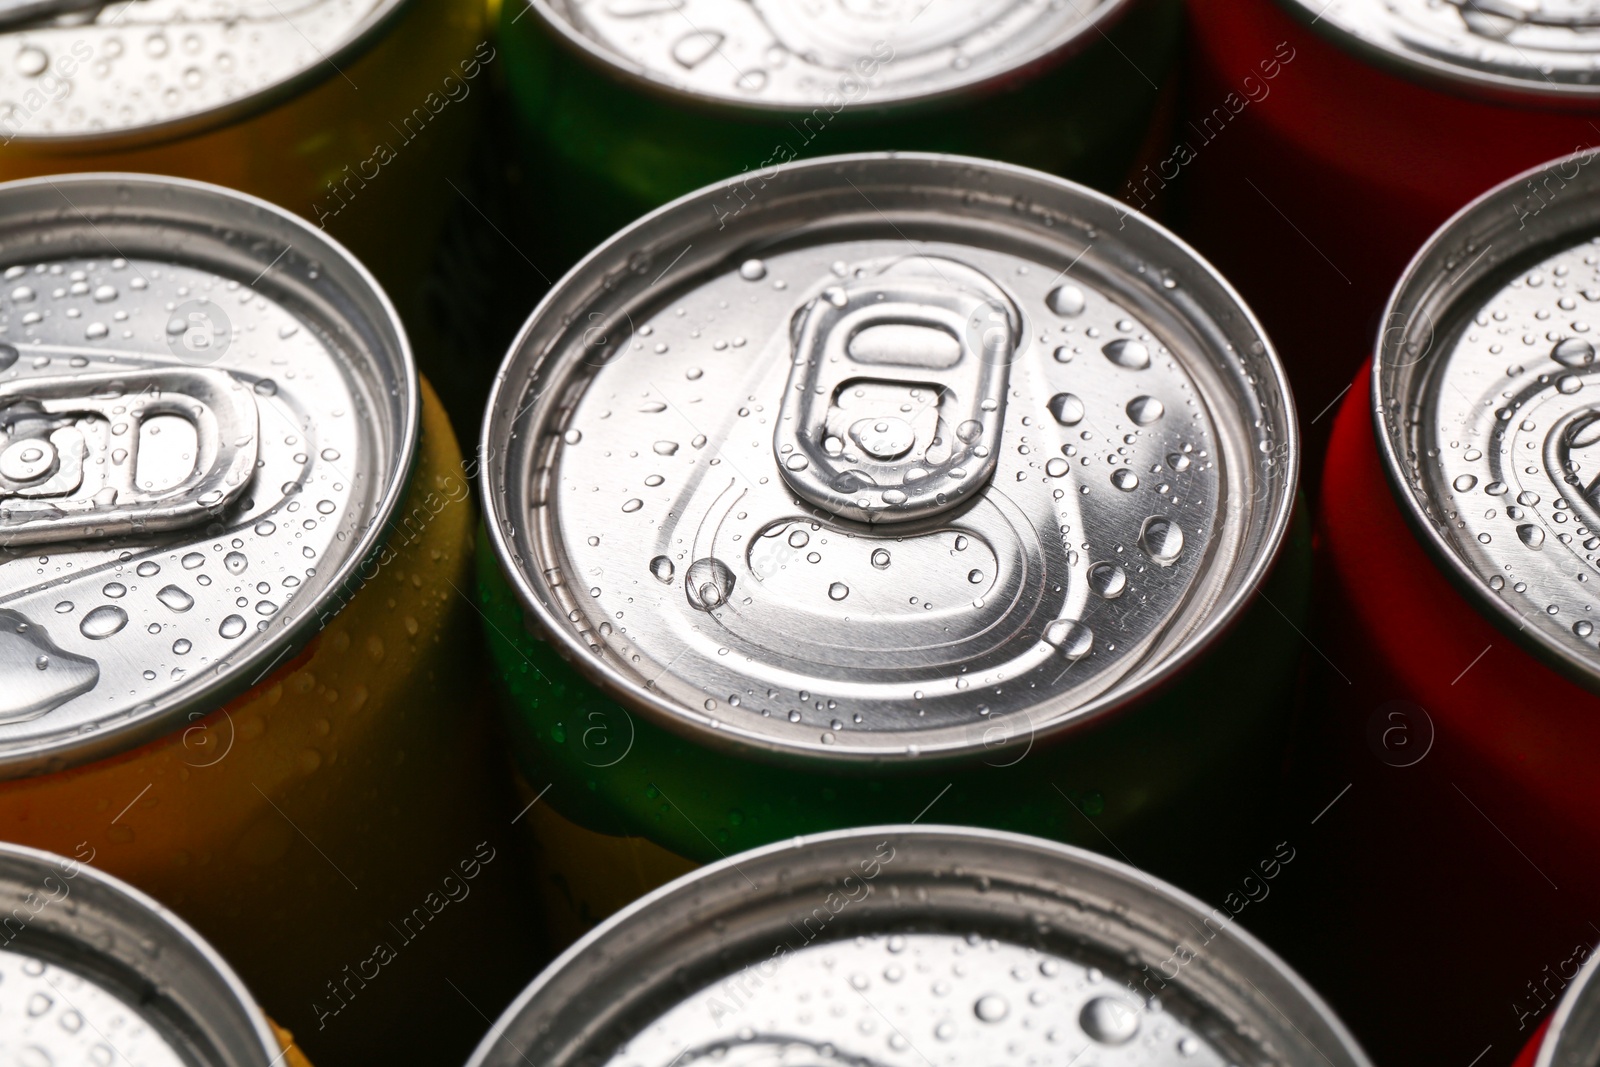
350	113
902	945
94	971
924	480
1324	140
624	106
231	647
1459	546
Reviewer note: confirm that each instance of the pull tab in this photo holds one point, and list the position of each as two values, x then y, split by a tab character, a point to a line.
99	455
895	403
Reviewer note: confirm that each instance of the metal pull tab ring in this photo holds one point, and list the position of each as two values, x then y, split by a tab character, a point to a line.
82	456
896	399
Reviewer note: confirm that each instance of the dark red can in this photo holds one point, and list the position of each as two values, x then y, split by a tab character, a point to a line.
1459	638
1326	139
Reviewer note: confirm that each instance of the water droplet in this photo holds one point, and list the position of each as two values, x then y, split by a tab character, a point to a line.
1109	1021
115	590
838	591
1161	540
231	627
1531	535
235	562
181	646
1464	482
1568	384
1071	637
1107	580
969	431
1125	479
1177	462
1066	408
665	448
1573	352
1066	300
191	560
752	270
147	568
708	583
1057	467
880	558
102	622
64	607
1145	409
662	568
1126	353
266	387
175	598
1583	627
630	506
326	507
1063	354
991	1008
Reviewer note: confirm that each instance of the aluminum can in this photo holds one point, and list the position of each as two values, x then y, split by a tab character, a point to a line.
1324	141
231	646
623	107
1570	1037
1458	550
885	494
350	113
97	972
897	945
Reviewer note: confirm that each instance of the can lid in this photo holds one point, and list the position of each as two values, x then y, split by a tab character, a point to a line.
1548	50
1485	393
904	946
910	455
1573	1039
207	412
94	971
134	70
789	55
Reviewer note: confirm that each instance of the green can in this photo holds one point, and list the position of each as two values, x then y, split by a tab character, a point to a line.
627	104
886	497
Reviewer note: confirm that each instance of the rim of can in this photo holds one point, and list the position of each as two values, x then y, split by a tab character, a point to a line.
140	937
1384	47
1573	1036
87	142
636	75
340	284
710	901
505	411
1432	290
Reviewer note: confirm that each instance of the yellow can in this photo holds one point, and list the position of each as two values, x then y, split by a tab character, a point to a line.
354	114
238	670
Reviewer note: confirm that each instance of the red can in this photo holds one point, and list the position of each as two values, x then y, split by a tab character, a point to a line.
1459	637
1326	139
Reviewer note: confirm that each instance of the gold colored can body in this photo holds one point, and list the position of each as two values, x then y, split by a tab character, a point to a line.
332	830
355	147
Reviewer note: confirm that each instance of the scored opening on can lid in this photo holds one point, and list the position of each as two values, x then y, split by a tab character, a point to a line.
94	971
909	455
1544	50
136	70
1486	394
786	55
901	946
207	414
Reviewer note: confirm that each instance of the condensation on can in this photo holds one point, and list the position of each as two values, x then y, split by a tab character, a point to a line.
830	521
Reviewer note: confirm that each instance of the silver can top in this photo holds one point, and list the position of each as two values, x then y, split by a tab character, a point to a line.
1487	398
912	455
1573	1038
1545	50
131	70
207	412
93	971
907	946
800	54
